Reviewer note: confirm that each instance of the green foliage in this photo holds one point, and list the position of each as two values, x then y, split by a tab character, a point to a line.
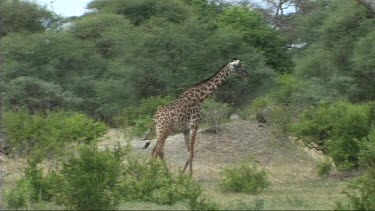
59	61
87	180
90	180
139	119
30	189
324	167
146	108
109	33
140	11
259	104
363	67
367	150
126	51
140	127
145	180
335	37
150	181
38	95
20	196
257	204
288	87
246	178
360	193
22	16
48	134
335	129
214	113
96	179
255	32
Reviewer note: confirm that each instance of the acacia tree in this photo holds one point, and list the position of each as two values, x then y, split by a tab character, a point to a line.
337	48
255	32
19	16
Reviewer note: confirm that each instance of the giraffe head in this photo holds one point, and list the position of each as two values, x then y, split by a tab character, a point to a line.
236	67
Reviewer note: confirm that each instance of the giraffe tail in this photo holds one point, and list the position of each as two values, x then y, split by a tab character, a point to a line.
148	135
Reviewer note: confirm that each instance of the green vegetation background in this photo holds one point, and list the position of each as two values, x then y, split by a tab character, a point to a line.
312	75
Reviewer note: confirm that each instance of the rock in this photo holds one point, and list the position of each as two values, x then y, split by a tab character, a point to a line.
234	117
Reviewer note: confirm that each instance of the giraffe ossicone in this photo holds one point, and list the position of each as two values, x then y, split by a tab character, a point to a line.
184	114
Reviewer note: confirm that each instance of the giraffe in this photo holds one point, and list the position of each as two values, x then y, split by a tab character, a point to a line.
184	114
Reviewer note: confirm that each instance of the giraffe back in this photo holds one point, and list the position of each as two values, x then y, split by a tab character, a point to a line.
178	116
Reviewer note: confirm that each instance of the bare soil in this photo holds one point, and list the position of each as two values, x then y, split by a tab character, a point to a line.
235	143
294	183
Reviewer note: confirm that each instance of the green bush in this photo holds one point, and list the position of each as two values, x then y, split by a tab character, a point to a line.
145	180
94	179
324	167
142	178
38	95
257	106
137	120
146	109
140	126
335	129
30	189
89	180
287	92
245	178
361	193
367	150
150	181
48	134
277	116
213	113
20	196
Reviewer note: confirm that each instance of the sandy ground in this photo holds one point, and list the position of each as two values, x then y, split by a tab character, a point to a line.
235	143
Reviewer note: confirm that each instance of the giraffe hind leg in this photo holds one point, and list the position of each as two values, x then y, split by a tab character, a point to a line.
189	162
186	138
158	150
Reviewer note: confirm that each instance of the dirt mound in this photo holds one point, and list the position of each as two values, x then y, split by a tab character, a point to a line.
236	142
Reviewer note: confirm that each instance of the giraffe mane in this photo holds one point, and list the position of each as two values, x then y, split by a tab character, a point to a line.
209	78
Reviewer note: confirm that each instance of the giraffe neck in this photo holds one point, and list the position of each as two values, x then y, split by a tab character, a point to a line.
203	90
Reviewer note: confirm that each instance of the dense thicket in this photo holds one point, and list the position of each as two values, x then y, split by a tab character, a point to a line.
312	74
124	51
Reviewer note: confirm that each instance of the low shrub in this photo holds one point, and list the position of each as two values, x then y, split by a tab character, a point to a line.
145	180
245	178
21	196
367	150
145	110
360	193
273	113
214	113
257	106
335	129
137	120
49	133
30	189
323	168
89	180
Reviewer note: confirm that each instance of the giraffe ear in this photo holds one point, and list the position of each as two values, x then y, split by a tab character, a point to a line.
235	62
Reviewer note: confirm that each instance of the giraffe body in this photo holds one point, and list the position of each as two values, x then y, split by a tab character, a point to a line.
184	114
